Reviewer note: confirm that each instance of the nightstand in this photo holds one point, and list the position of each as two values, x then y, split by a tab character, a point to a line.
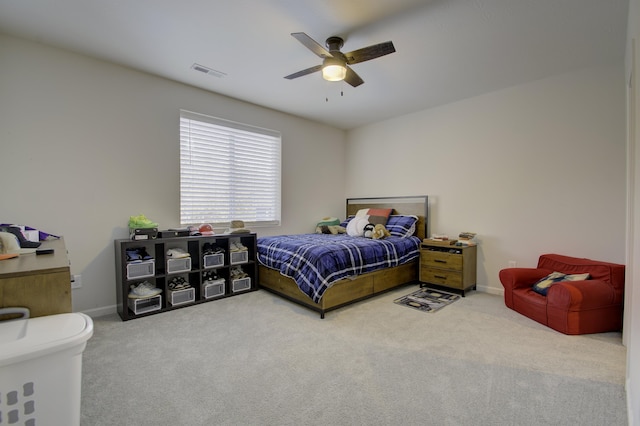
450	266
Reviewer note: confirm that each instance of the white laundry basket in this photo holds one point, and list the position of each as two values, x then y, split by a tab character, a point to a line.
41	368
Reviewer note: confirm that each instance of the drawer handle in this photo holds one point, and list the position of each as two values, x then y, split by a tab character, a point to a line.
440	261
442	277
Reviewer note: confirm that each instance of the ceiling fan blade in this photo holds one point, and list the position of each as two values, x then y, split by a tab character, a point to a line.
312	45
370	52
304	72
352	78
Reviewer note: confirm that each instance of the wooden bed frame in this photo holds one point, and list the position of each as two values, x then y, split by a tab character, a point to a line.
350	290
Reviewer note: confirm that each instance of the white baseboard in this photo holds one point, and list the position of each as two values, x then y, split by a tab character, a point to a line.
100	312
490	290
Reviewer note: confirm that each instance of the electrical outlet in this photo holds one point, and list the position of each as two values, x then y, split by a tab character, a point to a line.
513	264
76	281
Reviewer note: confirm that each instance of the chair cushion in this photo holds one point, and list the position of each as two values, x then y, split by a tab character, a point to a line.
611	273
543	285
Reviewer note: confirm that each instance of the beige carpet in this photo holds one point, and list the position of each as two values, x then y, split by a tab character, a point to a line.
258	359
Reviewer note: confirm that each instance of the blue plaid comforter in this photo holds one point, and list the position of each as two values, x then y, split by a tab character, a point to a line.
316	261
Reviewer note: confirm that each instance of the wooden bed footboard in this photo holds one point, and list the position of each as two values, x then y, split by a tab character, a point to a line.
343	292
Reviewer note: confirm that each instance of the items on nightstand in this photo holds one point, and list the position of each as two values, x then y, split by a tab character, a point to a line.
467	239
443	243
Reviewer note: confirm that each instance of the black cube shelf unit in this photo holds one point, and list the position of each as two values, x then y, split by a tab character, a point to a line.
160	271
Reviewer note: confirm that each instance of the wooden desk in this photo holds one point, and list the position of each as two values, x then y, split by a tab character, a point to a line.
41	283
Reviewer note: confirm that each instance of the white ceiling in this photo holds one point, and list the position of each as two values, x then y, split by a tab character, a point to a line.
446	50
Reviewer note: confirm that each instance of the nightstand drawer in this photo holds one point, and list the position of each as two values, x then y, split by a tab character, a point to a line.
441	277
436	259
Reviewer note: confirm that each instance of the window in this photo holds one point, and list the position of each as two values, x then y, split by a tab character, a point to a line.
228	171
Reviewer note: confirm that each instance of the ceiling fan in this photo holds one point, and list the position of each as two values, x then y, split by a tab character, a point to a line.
335	64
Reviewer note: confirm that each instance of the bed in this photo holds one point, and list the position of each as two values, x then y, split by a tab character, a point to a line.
346	285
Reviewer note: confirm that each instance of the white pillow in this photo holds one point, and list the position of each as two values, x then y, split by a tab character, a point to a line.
355	227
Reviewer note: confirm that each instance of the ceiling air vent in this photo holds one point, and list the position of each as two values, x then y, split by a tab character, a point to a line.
207	70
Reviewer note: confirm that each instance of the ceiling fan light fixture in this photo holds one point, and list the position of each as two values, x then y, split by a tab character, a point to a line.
333	69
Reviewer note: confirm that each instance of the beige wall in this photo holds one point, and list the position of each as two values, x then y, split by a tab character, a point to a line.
532	169
85	144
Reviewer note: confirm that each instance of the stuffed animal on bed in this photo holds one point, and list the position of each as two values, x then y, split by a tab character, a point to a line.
368	230
330	229
330	225
376	232
379	232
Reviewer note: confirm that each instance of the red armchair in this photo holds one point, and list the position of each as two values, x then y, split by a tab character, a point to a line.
570	307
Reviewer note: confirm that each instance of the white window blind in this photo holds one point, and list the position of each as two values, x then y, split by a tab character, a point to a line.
228	171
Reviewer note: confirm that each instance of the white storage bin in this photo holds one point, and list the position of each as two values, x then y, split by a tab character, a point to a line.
179	297
211	289
237	257
175	266
241	284
142	306
41	369
213	260
143	269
